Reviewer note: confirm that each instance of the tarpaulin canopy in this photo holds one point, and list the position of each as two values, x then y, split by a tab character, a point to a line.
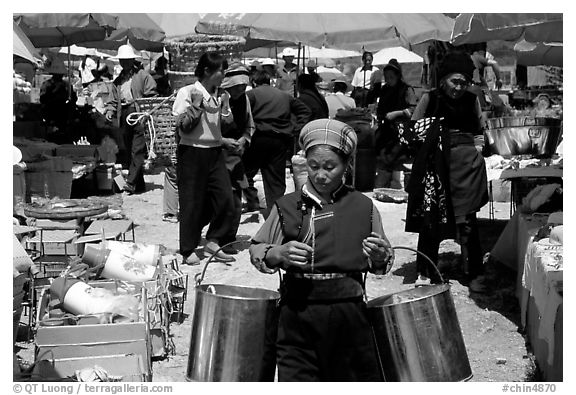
138	29
343	31
477	28
402	55
60	29
23	47
541	54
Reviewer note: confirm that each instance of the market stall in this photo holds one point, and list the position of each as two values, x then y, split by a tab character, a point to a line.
539	265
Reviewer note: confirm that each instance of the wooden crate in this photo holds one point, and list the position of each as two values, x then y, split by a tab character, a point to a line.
122	367
91	340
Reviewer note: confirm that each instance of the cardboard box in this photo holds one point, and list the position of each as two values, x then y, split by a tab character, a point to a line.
125	367
49	178
29	129
48	184
90	340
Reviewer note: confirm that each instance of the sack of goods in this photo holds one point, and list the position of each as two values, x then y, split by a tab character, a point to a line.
77	297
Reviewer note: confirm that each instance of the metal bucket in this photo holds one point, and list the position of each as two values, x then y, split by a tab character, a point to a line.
418	335
233	333
523	136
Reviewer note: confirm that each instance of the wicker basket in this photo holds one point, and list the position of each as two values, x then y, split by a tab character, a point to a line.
164	124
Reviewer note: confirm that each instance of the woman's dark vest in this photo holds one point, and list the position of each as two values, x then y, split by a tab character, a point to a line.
458	114
340	229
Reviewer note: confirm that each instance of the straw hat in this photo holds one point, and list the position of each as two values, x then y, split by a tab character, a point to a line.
268	62
289	52
126	52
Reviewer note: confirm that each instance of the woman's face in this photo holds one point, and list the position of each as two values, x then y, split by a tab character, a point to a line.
325	169
213	78
391	77
455	85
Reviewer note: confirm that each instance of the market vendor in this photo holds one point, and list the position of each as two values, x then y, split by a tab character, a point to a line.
132	83
55	104
325	237
448	185
366	82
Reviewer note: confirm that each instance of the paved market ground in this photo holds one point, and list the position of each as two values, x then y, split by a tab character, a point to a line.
489	322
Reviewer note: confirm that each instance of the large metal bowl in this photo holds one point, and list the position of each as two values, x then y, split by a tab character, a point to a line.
523	136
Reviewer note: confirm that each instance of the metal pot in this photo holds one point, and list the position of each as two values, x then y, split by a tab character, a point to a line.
523	136
233	333
418	335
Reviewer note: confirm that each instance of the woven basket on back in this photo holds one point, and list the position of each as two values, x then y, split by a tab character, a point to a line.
164	123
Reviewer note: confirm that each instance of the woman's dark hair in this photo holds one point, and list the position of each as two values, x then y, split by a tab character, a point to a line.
261	77
345	158
211	61
365	54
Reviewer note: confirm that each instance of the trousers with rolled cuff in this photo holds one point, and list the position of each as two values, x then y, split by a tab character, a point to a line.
324	333
471	250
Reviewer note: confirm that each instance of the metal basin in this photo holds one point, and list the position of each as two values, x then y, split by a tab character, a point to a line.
523	136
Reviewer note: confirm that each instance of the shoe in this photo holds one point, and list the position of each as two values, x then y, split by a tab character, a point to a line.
129	189
170	218
477	285
230	250
191	260
422	281
220	256
248	208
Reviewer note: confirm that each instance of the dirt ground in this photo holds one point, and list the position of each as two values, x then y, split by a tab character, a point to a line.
489	322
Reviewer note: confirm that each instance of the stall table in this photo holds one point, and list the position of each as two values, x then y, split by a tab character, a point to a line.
538	289
515	175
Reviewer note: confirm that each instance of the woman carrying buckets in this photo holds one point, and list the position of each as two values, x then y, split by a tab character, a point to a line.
325	237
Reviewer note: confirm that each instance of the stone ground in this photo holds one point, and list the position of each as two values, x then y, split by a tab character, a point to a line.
489	321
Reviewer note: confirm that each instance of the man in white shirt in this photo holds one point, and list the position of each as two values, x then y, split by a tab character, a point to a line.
338	99
288	74
366	82
85	68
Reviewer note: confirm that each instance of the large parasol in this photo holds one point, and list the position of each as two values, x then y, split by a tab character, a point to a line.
477	28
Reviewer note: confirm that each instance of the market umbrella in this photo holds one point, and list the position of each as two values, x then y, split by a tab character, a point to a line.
137	29
81	51
329	73
343	31
58	30
476	28
546	54
402	55
23	47
176	25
